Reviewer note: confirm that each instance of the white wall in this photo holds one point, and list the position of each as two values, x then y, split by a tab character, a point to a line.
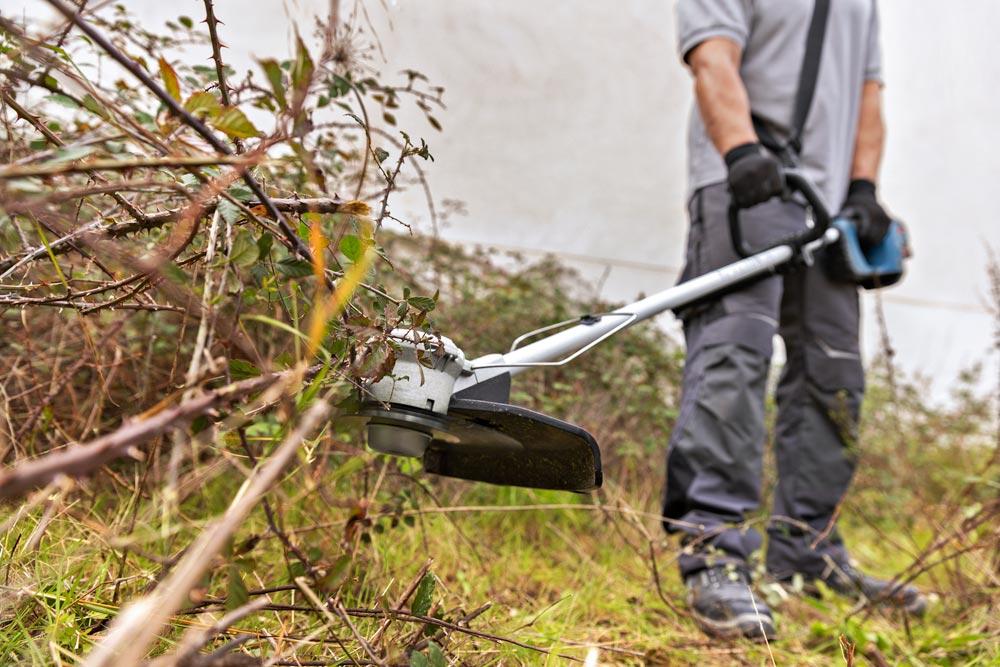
565	133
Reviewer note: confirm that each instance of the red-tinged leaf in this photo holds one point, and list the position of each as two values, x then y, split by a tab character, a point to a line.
170	80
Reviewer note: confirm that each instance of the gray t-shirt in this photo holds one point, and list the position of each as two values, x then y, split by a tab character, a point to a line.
772	34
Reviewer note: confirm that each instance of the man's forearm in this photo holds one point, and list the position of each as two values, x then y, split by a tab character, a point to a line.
870	141
722	97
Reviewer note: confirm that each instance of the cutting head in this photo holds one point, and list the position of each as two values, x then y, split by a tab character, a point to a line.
507	444
490	442
415	414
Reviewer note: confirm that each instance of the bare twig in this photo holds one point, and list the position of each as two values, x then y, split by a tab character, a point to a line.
337	607
83	306
154	221
35	170
133	68
402	599
137	626
220	66
194	640
81	460
51	137
426	620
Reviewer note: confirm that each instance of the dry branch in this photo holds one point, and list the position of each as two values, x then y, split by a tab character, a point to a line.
195	639
48	169
53	139
188	119
139	623
79	460
155	221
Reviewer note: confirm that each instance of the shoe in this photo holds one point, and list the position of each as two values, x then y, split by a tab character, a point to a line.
723	604
845	579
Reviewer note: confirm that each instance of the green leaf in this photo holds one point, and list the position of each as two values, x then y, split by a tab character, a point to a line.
419	660
336	576
63	100
274	76
389	118
378	362
302	72
72	154
229	211
93	106
203	105
436	656
200	423
236	593
339	86
434	122
293	267
241	193
295	570
170	81
244	251
146	120
235	124
174	273
422	598
424	303
241	369
264	244
186	21
381	154
347	468
351	247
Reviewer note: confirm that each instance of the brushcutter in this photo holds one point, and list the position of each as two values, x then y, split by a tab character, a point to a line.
455	413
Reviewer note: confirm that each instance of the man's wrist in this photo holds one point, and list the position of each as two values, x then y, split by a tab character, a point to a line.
736	154
862	188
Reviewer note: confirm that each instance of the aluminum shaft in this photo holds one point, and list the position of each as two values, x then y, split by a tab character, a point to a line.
553	348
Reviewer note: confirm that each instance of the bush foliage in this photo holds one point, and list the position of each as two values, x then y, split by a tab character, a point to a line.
196	269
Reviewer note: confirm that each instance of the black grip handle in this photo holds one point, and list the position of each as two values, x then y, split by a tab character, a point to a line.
795	182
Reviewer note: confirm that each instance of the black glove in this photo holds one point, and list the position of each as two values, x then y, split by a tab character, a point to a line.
754	175
870	219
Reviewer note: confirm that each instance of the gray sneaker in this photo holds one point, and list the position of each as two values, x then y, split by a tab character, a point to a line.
723	604
847	580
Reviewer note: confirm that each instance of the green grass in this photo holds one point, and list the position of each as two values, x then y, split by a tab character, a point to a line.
559	579
564	579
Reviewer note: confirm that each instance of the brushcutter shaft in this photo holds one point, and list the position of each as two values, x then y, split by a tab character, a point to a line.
550	350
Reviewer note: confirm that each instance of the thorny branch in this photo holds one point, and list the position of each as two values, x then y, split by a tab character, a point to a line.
80	460
110	213
154	221
138	624
184	115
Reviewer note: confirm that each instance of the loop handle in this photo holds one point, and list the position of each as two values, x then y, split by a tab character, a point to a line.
795	182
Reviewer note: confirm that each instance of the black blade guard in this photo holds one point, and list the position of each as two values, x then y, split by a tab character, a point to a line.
506	444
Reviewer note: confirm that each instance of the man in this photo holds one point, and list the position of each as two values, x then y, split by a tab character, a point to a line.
746	57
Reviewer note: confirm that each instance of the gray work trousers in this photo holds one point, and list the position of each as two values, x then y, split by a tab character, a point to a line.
714	462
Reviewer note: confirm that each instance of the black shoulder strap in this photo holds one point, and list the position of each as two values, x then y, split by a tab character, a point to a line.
807	87
810	71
